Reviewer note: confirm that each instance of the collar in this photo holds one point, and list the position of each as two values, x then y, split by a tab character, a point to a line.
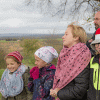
51	67
96	59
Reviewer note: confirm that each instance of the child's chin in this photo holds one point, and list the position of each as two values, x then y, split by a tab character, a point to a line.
11	70
39	67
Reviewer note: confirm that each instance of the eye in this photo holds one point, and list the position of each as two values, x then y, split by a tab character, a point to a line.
12	64
66	34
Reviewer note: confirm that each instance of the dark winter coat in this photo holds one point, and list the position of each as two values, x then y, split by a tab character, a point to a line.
76	89
41	86
88	45
94	82
25	94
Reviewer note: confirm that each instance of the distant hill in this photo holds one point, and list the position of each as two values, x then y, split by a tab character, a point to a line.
19	36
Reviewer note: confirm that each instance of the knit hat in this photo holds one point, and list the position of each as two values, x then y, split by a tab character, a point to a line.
17	55
46	53
97	39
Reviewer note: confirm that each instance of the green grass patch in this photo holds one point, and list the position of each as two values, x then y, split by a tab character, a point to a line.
4	41
1	72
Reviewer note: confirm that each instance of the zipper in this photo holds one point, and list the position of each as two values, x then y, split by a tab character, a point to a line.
95	77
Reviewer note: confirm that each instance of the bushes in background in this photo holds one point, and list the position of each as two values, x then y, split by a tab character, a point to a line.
2	62
29	47
57	44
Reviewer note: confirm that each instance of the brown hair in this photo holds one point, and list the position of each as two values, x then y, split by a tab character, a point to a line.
78	31
12	57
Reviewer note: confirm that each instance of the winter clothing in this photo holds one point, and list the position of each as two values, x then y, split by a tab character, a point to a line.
12	84
77	88
46	53
97	39
71	62
17	55
41	86
25	94
34	73
94	82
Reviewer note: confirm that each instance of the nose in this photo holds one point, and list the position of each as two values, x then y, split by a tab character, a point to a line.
35	62
63	37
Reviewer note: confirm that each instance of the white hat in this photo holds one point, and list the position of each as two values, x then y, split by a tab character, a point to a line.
97	39
46	53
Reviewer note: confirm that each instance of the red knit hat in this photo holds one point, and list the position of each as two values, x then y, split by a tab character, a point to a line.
17	55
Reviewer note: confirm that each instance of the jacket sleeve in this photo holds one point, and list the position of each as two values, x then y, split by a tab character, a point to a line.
30	84
26	75
44	85
77	89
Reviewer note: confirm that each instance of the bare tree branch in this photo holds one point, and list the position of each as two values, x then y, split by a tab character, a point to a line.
47	6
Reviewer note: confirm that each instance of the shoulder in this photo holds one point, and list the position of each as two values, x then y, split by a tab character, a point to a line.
27	70
84	73
52	68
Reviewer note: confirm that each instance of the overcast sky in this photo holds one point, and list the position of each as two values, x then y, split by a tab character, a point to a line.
16	17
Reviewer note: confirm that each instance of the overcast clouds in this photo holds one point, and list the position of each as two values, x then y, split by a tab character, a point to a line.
16	17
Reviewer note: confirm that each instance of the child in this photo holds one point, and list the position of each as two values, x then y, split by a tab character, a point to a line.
13	84
71	76
41	76
94	82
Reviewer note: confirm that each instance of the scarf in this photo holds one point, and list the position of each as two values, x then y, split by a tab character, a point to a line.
12	84
71	62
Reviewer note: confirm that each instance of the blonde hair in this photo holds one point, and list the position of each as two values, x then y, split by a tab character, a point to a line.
12	57
78	31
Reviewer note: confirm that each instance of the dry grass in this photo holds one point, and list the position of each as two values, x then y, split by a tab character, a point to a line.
11	46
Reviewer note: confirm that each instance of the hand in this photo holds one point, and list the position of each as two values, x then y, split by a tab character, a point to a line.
53	93
34	73
32	70
56	90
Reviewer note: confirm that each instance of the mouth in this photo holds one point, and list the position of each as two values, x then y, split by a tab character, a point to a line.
63	40
96	26
11	69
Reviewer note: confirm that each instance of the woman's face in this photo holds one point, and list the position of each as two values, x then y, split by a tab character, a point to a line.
12	65
68	39
97	47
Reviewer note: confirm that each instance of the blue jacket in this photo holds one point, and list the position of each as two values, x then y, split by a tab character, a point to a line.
41	86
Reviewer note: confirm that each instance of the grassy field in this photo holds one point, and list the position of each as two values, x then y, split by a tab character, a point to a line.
1	71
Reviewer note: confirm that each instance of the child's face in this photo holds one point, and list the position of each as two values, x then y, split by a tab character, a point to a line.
39	62
12	65
68	39
97	47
